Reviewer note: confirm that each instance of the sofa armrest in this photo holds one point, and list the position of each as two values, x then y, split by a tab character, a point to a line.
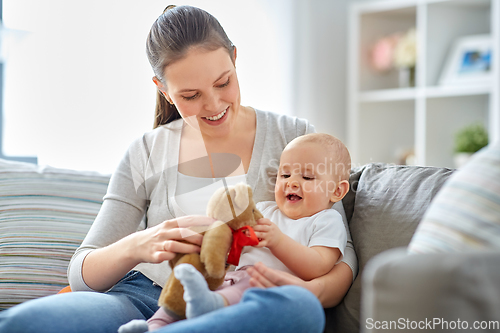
441	291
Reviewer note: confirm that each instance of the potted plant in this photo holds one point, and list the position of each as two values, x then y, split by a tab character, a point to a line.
469	140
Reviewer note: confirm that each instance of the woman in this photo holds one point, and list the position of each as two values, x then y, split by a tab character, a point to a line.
168	174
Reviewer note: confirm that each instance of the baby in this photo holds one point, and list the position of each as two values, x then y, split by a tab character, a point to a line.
299	233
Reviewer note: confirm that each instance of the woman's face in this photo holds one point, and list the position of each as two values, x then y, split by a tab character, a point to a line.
204	86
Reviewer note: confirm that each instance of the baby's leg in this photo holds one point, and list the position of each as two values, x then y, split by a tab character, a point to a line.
199	299
235	284
160	319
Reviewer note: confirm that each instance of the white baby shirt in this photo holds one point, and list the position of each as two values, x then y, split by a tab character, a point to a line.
324	228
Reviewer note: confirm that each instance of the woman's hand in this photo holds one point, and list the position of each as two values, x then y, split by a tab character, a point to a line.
105	266
268	233
265	277
329	288
164	241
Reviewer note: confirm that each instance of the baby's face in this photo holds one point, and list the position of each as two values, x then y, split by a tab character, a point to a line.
305	181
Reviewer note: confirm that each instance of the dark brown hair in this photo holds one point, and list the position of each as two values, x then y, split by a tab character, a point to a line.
177	30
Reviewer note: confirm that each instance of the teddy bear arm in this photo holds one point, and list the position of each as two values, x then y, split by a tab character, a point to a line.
216	243
257	215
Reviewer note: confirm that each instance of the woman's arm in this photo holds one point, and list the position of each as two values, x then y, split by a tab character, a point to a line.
329	288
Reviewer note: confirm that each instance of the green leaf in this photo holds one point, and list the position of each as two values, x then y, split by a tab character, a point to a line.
471	138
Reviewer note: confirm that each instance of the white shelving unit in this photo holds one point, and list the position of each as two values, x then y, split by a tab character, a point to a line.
384	120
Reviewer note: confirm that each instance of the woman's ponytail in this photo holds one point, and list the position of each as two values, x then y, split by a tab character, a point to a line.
164	111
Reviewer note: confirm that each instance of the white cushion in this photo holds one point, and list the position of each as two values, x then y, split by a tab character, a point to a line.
465	214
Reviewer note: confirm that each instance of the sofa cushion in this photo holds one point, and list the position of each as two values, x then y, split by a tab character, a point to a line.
466	213
45	213
389	202
350	197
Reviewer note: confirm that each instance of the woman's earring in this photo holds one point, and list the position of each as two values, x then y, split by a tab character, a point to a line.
165	95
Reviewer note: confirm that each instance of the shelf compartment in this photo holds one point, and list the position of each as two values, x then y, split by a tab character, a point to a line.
372	27
386	132
447	115
452	15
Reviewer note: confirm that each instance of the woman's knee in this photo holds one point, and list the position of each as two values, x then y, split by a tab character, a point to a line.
30	316
70	312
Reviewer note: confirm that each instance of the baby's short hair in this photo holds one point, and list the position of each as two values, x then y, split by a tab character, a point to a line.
338	152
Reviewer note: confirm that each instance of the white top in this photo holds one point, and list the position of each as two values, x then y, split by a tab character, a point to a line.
324	228
193	193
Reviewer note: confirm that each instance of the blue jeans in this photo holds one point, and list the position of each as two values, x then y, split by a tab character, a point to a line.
283	309
289	309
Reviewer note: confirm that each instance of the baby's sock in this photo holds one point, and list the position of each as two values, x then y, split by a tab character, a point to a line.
134	326
199	299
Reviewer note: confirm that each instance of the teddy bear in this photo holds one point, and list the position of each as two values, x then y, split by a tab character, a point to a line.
235	213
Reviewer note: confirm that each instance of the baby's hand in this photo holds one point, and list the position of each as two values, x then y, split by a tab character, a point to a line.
268	233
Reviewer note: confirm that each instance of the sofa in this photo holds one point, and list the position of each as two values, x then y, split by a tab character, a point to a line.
45	213
383	208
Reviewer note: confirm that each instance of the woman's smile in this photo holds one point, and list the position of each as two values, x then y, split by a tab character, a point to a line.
216	119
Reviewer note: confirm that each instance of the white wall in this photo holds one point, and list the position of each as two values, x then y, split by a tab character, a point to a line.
71	96
78	84
320	64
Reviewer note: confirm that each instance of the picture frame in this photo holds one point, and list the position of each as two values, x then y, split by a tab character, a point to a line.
469	61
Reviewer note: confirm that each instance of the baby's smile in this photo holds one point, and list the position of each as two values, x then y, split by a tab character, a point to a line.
293	197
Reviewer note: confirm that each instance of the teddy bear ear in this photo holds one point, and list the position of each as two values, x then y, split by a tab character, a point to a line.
221	209
241	199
